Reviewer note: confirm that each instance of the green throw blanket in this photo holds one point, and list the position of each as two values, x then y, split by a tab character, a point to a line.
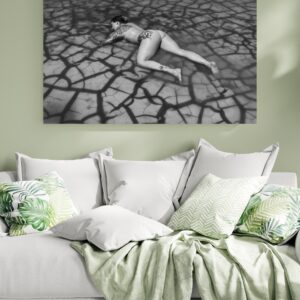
234	268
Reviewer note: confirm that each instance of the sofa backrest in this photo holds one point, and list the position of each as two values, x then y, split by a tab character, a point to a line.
282	178
8	176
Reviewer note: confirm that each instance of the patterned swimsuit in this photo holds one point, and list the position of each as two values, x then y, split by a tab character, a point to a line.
146	34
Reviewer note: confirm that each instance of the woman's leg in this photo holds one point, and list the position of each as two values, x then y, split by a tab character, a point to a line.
168	44
147	49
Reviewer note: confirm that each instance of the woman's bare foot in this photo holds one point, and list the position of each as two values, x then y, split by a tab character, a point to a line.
177	74
213	67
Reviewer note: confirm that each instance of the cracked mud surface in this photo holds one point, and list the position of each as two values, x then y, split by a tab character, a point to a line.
84	83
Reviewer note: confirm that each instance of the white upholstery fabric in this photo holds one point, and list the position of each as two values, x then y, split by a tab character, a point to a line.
8	176
44	267
40	266
3	227
283	178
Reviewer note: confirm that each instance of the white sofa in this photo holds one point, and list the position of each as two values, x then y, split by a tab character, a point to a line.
41	266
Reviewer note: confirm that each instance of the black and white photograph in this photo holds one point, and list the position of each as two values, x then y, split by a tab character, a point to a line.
150	62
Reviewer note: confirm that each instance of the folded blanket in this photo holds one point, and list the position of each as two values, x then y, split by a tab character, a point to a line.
233	268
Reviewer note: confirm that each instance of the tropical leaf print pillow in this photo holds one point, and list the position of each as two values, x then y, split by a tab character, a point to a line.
36	205
273	214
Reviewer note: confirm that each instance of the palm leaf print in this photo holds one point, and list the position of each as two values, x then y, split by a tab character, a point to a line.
5	203
23	190
38	213
16	229
250	209
37	205
275	217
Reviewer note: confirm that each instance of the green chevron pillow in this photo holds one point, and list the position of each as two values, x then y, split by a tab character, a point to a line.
36	205
273	214
215	206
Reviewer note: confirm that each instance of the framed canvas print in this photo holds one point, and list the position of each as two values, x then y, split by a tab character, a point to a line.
150	62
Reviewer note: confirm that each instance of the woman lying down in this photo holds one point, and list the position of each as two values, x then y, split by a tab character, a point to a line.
150	41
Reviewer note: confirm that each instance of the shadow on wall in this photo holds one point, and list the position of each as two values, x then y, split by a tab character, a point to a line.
279	27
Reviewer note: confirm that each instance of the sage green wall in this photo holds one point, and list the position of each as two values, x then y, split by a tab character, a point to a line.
21	122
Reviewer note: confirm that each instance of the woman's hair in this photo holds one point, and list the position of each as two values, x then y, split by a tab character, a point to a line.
120	19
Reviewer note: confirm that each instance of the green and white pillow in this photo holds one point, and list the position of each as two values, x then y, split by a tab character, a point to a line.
36	205
273	214
215	206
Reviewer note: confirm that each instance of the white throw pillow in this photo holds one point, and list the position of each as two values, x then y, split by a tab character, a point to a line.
216	205
110	227
81	176
229	165
188	157
144	187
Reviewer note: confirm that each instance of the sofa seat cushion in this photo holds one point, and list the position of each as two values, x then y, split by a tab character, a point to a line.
40	265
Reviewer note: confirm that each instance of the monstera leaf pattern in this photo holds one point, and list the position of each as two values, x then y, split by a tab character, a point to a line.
5	201
37	212
25	190
273	214
37	205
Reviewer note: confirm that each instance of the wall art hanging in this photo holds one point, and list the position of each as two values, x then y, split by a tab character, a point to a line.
150	61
